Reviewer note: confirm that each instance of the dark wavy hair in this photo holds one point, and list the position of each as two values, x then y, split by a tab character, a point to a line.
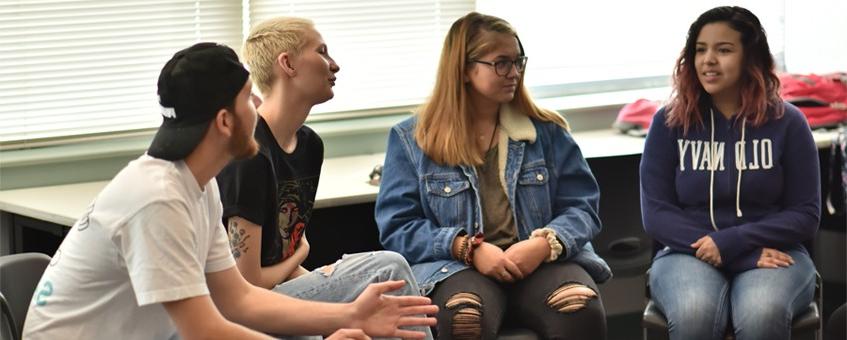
759	82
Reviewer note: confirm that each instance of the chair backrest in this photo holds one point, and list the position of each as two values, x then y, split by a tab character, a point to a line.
19	275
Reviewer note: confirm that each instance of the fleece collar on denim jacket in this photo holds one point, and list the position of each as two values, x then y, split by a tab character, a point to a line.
516	126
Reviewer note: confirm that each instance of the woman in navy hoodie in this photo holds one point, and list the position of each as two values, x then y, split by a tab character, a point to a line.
730	187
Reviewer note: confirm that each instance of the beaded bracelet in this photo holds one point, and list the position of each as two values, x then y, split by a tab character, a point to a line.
463	247
556	248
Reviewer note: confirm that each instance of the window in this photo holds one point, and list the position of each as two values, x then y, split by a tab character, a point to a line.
388	50
88	67
77	67
589	42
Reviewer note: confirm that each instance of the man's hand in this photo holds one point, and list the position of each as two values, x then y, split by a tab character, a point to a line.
382	315
491	261
707	251
772	258
528	254
348	334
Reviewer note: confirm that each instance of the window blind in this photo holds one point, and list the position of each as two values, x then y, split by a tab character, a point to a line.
90	66
388	50
83	67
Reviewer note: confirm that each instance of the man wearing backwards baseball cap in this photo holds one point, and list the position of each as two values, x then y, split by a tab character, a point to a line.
150	256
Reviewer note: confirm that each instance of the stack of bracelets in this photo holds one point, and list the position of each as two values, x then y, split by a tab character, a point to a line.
468	246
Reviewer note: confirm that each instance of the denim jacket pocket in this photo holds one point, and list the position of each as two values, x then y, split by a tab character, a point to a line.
533	190
449	197
534	176
446	187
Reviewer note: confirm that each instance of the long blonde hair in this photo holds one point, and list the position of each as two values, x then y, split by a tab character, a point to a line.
267	41
444	128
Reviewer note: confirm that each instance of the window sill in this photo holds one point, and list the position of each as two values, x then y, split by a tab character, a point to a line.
101	158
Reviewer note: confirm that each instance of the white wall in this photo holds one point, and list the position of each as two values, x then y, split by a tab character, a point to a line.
815	36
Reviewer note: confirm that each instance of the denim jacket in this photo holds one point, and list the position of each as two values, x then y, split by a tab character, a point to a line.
422	206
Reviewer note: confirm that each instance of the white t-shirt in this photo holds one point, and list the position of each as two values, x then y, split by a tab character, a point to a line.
149	237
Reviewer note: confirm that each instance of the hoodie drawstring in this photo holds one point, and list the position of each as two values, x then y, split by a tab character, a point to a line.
712	171
738	182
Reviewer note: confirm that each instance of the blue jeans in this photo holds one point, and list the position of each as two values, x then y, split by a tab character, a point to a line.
698	300
344	280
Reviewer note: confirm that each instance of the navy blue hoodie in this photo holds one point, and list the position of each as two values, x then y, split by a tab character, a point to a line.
689	186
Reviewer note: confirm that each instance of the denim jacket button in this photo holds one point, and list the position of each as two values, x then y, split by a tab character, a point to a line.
539	177
444	269
447	189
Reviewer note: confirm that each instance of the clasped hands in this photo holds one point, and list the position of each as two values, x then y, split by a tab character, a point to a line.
707	251
513	264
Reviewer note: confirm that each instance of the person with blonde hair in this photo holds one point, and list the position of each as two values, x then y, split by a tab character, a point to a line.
268	199
491	201
149	258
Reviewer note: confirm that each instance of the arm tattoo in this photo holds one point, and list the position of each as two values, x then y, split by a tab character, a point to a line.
237	239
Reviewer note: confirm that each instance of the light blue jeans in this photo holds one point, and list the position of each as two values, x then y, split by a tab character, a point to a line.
698	300
344	280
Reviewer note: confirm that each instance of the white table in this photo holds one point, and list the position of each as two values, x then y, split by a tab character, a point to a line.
344	180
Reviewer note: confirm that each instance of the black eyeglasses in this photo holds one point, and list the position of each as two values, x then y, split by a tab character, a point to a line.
504	66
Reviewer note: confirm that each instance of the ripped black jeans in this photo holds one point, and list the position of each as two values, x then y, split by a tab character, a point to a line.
521	304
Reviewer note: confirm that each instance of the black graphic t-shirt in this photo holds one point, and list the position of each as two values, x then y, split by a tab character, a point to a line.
275	190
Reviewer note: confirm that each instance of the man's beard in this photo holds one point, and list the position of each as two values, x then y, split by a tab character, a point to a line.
243	144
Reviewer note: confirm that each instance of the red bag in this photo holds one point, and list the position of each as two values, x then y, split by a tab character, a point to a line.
634	118
821	98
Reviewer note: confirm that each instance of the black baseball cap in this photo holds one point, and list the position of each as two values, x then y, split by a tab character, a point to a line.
193	86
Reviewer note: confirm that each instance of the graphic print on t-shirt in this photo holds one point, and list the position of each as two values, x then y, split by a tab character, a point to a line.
296	199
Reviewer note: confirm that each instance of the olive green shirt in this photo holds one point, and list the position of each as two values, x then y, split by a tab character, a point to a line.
498	220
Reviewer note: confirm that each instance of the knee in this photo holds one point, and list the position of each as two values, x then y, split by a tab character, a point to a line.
762	324
695	318
393	263
570	297
696	310
576	306
467	316
765	313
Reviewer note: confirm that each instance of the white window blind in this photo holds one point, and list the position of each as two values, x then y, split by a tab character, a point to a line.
86	67
82	67
388	50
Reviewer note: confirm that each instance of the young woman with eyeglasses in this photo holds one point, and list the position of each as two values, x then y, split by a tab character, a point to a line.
490	200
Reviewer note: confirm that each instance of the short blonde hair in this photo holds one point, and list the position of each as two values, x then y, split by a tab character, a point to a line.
267	41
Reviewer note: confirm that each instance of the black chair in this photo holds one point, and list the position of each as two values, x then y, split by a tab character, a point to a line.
836	327
19	275
806	325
